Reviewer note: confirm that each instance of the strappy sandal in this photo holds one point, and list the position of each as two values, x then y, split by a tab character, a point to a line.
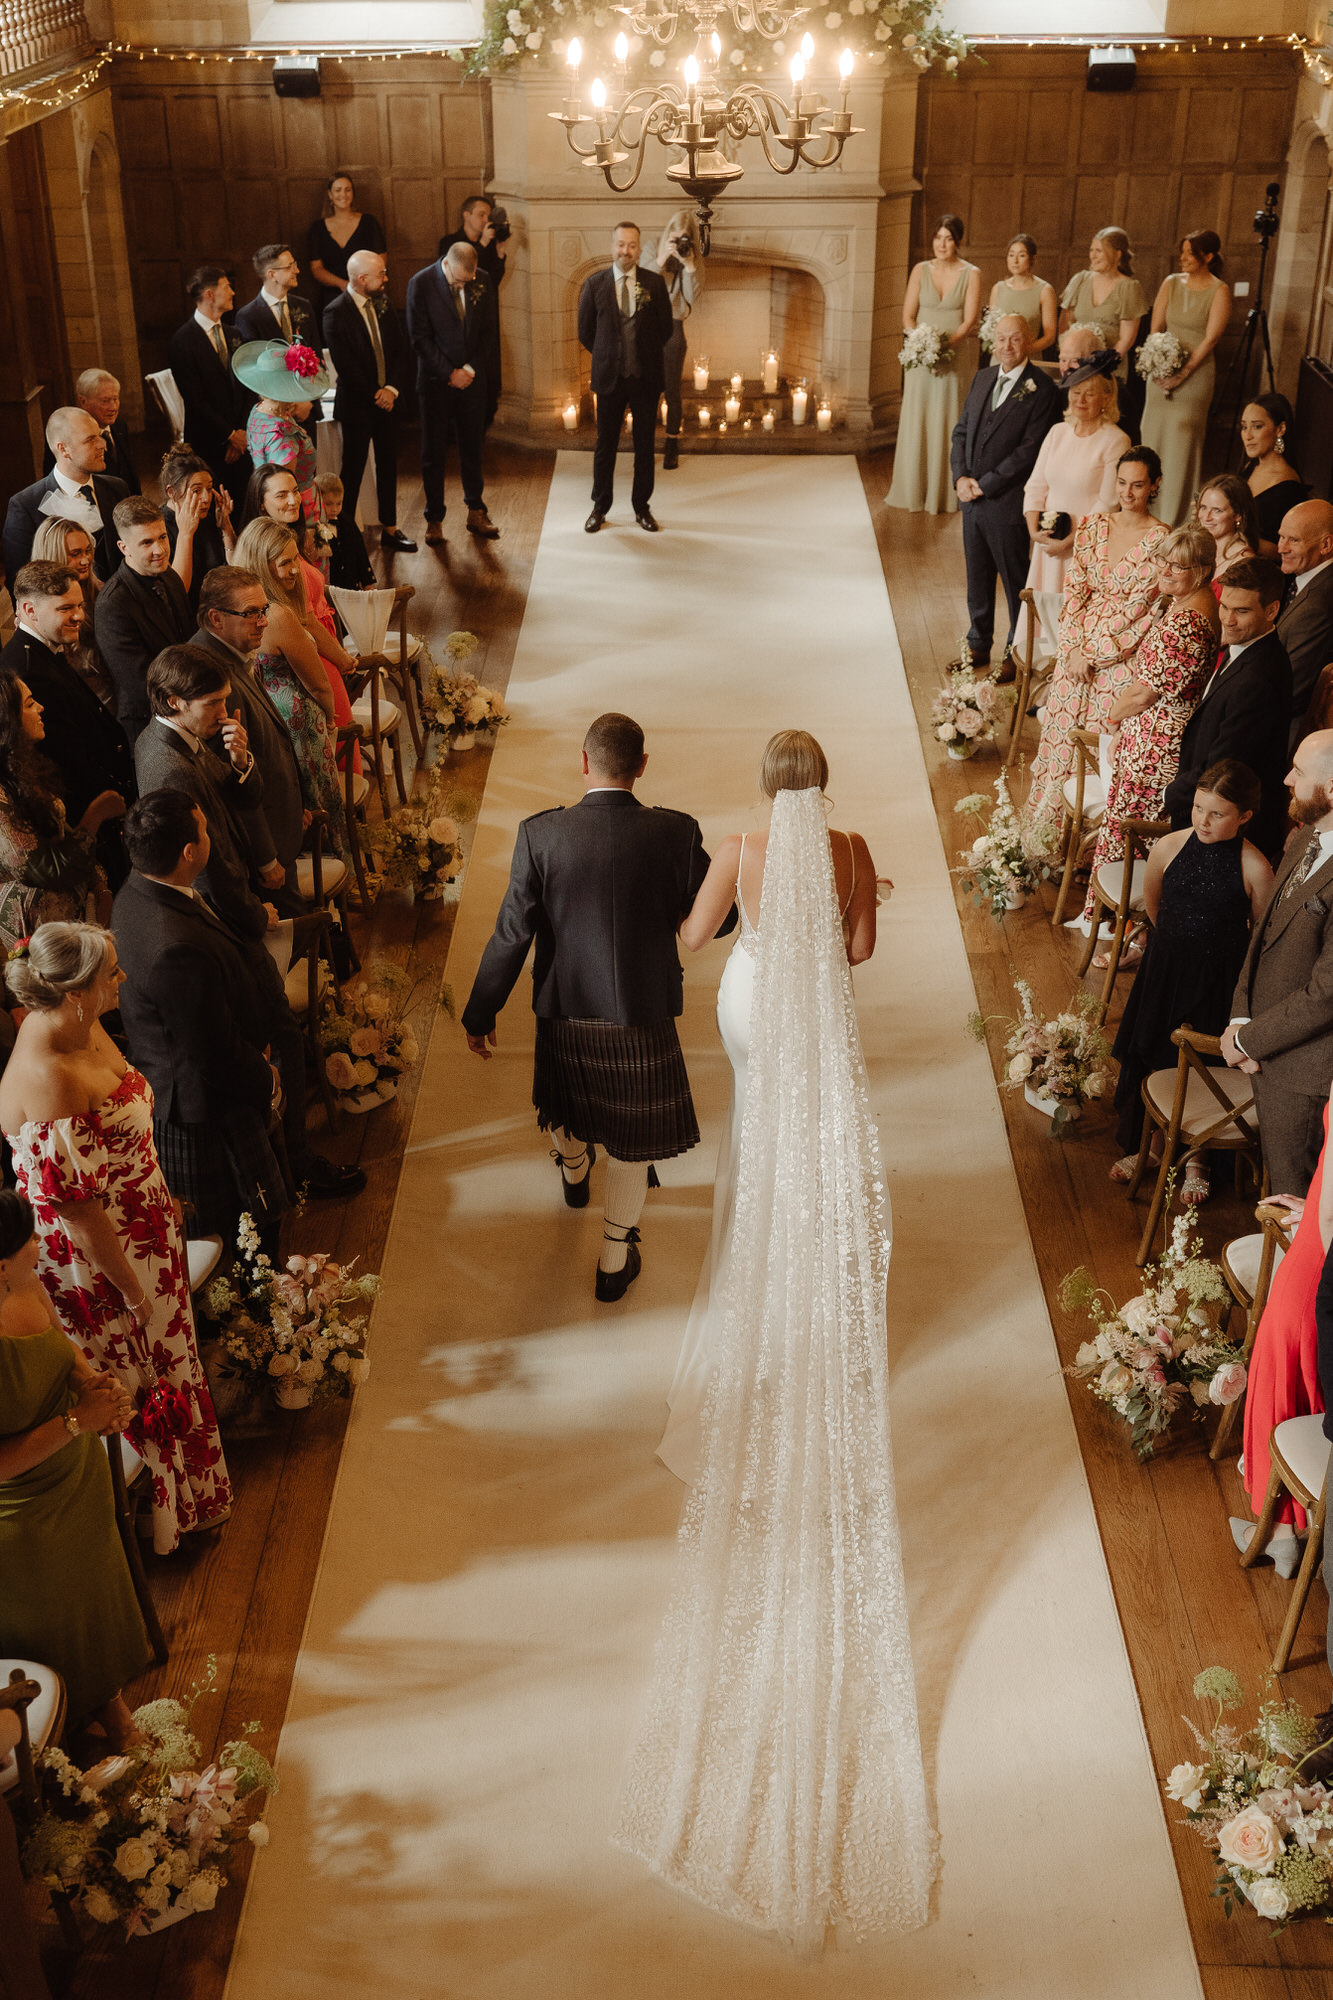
1131	953
1123	1170
1196	1186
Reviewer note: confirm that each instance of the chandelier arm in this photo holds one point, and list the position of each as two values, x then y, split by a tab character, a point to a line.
660	28
794	159
836	143
623	187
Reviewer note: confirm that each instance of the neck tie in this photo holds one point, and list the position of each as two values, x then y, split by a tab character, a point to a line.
219	340
626	306
285	319
459	307
1000	386
372	320
86	493
1301	872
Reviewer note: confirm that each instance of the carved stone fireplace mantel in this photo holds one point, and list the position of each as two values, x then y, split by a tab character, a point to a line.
847	228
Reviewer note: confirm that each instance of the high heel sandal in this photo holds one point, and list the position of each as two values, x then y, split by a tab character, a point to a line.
576	1192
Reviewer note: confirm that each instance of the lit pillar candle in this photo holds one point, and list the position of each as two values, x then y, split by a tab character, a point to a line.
574	58
824	417
705	418
571	416
769	420
737	384
798	402
770	373
701	374
733	408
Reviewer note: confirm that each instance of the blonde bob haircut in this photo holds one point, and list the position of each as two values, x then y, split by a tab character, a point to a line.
262	543
1194	545
792	762
61	959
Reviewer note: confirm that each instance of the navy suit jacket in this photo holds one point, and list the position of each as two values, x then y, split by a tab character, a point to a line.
353	356
255	321
24	517
441	340
599	328
998	448
215	403
1244	713
83	740
132	626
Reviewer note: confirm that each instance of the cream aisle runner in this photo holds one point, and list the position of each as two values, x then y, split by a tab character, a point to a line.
500	1546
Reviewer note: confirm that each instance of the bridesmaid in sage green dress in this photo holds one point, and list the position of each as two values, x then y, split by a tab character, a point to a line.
944	293
1195	306
66	1599
1107	295
1026	295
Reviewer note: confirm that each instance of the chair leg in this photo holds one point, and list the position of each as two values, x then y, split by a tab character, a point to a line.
403	685
1145	1147
1263	1532
312	1038
1020	713
396	742
1226	1424
129	1541
1112	966
381	779
1074	831
353	956
354	830
1314	1549
1091	945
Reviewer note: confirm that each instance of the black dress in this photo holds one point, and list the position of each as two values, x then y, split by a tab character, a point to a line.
210	551
1274	502
367	235
1193	959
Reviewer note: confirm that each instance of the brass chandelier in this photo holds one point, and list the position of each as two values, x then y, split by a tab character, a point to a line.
701	118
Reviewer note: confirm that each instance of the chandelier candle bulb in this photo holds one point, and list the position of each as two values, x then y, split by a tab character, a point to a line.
622	53
769	420
733	408
798	402
770	366
599	106
701	374
573	58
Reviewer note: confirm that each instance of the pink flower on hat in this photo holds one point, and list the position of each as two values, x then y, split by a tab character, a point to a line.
302	360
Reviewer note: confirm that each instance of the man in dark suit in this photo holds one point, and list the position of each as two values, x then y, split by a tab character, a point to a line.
452	327
232	614
76	489
143	608
1009	409
624	322
278	311
1281	1030
370	353
601	888
1245	709
215	403
83	739
1305	548
475	228
98	393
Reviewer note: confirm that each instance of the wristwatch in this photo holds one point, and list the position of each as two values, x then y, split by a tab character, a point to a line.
71	1422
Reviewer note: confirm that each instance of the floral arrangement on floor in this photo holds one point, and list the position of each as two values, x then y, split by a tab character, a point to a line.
1160	357
1268	1820
368	1046
1010	856
145	1839
456	705
1161	1348
965	711
420	847
1061	1063
301	1331
539	31
925	347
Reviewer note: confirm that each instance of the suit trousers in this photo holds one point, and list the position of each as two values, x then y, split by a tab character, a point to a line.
632	393
362	427
1291	1128
445	409
995	543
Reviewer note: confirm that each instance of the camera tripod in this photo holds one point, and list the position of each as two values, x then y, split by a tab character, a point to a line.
1266	223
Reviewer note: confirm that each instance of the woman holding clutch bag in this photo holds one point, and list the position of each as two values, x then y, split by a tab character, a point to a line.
1074	476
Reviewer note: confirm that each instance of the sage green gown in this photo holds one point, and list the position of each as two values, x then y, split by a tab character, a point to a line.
1175	429
1026	305
66	1598
932	399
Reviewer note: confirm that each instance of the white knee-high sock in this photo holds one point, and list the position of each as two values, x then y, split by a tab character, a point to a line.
626	1191
574	1161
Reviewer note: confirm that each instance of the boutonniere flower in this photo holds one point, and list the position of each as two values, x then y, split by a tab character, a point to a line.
475	290
640	296
1027	387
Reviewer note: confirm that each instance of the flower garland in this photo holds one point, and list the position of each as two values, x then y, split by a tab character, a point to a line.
306	1324
1009	857
145	1838
1160	1348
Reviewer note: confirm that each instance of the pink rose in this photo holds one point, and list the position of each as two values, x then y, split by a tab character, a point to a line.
1250	1840
968	722
1227	1384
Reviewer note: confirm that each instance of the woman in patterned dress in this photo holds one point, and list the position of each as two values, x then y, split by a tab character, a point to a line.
1151	712
274	429
1110	589
80	1122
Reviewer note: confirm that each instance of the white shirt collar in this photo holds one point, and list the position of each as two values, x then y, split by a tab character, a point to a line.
68	485
192	742
38	637
1012	374
1234	652
1305	575
210	326
605	788
276	303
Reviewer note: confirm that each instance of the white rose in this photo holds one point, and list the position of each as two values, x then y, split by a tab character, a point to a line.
951	62
1137	1315
945	732
342	1362
155	1898
1250	1840
409	1048
970	723
514	21
1185	1785
1020	1068
1270	1899
534	40
133	1859
374	1005
259	1834
443	831
357	1370
99	1906
364	1074
1227	1384
509	47
203	1891
1087	1356
1115	1379
309	1371
981	845
282	1364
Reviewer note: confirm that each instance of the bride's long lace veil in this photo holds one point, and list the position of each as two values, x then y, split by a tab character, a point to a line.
777	1776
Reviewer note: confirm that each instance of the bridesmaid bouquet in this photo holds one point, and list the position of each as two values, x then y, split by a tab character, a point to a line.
965	711
990	319
1160	1349
300	1331
1268	1820
1160	357
1058	1064
144	1839
925	347
1008	857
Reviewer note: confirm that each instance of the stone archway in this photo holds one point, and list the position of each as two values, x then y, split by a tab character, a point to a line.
1301	313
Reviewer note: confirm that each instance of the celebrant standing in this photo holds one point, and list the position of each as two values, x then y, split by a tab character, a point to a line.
624	322
601	888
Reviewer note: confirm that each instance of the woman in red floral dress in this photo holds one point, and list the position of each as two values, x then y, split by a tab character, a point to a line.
1110	588
80	1122
1170	670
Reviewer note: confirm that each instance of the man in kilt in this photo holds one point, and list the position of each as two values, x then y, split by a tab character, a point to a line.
600	889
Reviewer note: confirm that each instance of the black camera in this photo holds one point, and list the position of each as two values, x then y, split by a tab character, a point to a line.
1267	220
684	244
500	229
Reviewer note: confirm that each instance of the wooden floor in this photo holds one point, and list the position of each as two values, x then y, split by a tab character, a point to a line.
1184	1602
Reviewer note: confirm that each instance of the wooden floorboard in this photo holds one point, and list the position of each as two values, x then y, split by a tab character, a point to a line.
1183	1600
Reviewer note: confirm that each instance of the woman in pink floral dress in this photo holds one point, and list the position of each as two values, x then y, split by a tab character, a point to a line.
1170	670
80	1122
1110	588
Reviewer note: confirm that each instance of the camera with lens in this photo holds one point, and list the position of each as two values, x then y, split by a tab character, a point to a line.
1267	220
500	228
684	244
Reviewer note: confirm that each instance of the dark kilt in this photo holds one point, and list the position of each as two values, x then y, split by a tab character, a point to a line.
225	1169
625	1089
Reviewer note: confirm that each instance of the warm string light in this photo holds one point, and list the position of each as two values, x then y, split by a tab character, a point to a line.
66	93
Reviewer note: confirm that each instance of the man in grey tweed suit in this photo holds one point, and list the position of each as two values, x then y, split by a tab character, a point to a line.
600	889
1281	1028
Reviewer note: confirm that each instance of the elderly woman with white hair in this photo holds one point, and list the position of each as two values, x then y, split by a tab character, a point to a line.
680	260
1149	715
1074	476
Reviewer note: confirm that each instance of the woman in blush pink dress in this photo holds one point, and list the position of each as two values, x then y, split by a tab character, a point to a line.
80	1122
1075	476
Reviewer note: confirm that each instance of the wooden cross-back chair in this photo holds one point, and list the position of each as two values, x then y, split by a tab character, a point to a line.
1083	802
1248	1264
1028	680
1298	1456
1197	1109
1117	888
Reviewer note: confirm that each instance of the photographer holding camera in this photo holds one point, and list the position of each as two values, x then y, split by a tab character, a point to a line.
484	227
680	259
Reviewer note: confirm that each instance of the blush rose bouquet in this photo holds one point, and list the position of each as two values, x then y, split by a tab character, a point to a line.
1010	855
368	1044
301	1331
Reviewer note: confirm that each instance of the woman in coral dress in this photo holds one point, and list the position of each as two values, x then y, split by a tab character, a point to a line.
1110	589
1170	670
80	1122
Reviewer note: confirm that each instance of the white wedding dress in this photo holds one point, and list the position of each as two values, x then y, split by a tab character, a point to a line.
777	1776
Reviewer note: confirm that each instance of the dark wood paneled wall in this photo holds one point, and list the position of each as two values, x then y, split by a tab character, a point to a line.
214	163
1021	143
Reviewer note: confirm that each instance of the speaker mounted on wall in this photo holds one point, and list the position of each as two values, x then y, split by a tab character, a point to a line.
296	75
1111	68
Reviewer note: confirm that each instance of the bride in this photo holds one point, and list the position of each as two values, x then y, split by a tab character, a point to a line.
777	1776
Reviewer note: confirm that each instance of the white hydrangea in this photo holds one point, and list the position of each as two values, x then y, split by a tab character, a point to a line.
514	21
509	47
534	40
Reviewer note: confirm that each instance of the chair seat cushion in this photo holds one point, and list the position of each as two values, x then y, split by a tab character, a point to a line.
43	1714
332	869
201	1254
390	716
393	649
1201	1107
360	789
1300	1443
1110	880
297	983
1240	1261
1094	798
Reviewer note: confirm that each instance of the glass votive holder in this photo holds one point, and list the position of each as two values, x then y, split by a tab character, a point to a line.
705	418
700	373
